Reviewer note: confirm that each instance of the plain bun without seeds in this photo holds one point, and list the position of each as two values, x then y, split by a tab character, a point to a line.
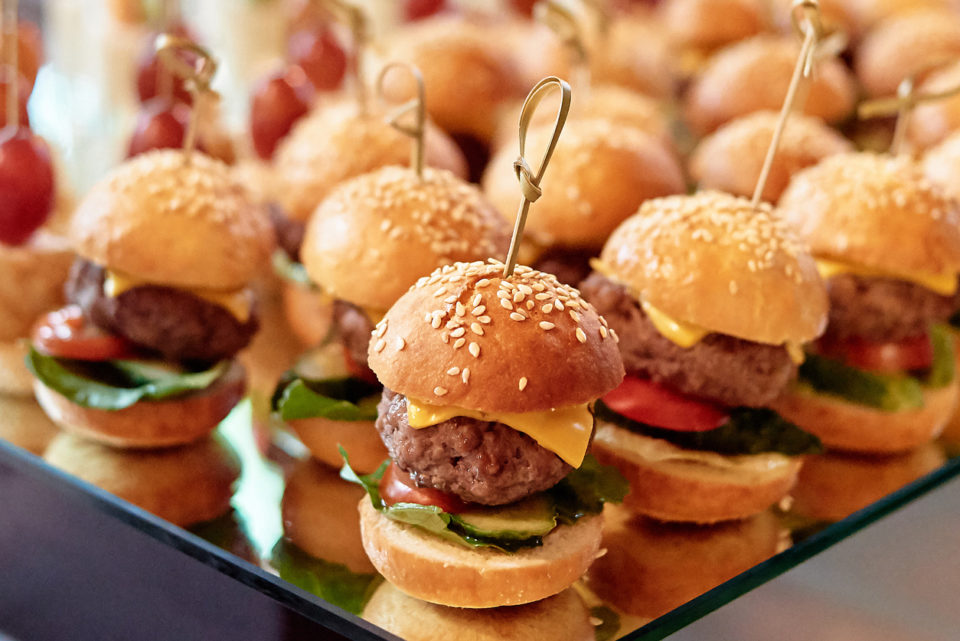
467	336
174	220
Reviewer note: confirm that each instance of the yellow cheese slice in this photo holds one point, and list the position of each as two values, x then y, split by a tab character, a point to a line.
565	431
238	303
943	284
374	315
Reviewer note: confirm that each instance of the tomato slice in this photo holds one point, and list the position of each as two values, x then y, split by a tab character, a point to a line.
358	371
888	357
397	487
65	333
653	404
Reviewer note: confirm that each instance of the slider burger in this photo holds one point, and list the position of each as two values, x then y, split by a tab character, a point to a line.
142	356
488	381
366	245
881	379
711	299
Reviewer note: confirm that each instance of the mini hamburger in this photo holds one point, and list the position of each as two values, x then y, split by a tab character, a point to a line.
490	499
711	299
881	379
142	356
366	245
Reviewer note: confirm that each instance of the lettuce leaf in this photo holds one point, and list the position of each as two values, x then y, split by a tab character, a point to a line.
332	582
943	368
115	385
338	399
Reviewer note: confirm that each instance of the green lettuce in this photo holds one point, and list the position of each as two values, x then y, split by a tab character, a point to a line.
339	399
332	582
289	269
609	623
115	385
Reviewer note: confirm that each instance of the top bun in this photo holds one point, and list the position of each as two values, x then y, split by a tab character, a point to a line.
877	211
466	336
376	234
712	260
335	143
754	74
174	220
709	24
933	121
941	165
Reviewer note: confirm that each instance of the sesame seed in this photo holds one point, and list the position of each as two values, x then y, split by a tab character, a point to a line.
517	317
542	296
483	282
523	383
603	332
575	316
435	323
479	310
530	304
450	300
440	292
461	310
453	371
465	375
476	328
518	297
547	308
445	337
616	339
546	325
381	330
460	342
477	300
526	289
581	336
484	319
380	345
474	350
401	343
559	304
458	332
504	303
439	391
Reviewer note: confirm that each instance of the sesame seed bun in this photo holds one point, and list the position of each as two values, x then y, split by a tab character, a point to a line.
678	561
468	337
467	74
754	74
669	483
906	44
149	424
730	159
24	424
319	515
933	122
876	211
869	13
562	617
183	485
712	260
32	283
599	174
323	437
376	234
174	221
432	569
334	143
833	486
852	427
709	24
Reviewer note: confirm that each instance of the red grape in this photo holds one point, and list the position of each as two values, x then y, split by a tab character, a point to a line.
279	100
26	184
23	95
419	9
161	124
149	70
321	57
523	7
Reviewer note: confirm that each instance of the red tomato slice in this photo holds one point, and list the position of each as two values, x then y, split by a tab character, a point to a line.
653	404
903	356
65	333
397	487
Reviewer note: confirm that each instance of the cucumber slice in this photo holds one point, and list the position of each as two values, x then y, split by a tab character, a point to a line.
887	392
533	516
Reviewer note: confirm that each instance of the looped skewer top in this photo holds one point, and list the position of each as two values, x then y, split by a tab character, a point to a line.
530	180
196	66
565	25
416	106
356	20
806	19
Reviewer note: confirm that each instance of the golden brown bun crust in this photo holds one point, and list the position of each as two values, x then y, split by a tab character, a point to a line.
15	378
730	159
24	424
174	222
712	260
562	617
689	490
429	568
466	72
519	357
904	45
935	121
870	12
32	283
754	74
309	313
858	428
376	234
599	175
941	165
708	24
678	561
334	143
183	485
833	486
319	515
877	211
360	439
149	424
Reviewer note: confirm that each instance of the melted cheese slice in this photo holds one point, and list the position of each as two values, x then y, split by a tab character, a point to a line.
565	431
238	303
943	284
374	315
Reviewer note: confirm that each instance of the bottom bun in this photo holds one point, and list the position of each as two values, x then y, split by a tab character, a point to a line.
429	568
563	617
319	518
669	483
149	424
359	439
847	426
183	485
652	567
309	313
833	486
15	378
24	424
